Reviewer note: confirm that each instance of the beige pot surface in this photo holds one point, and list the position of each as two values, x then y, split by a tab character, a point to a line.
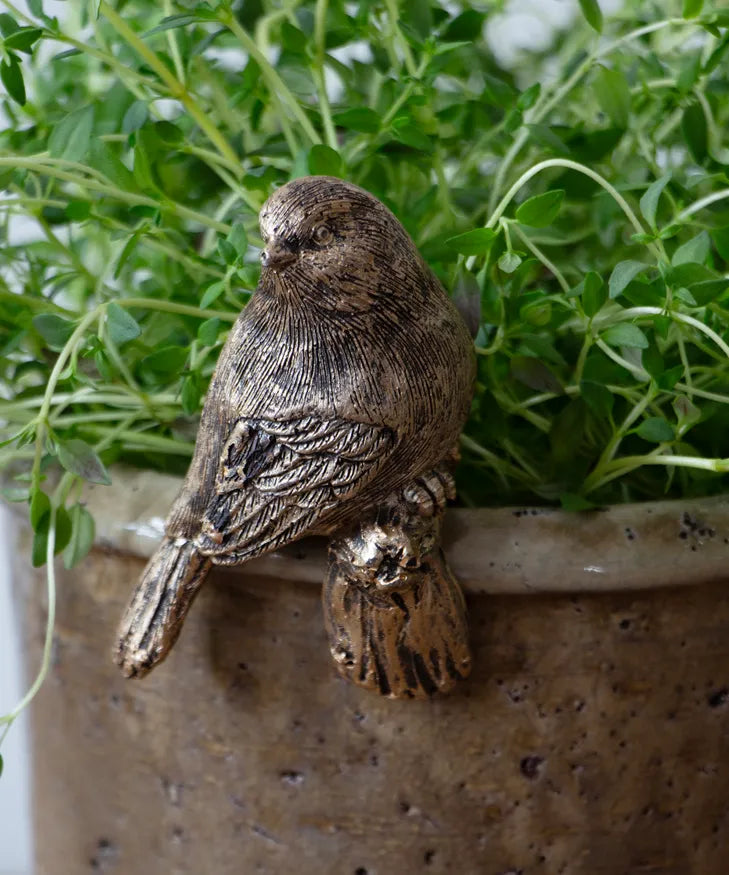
591	738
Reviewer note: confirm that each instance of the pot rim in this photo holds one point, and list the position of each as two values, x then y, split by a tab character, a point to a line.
514	550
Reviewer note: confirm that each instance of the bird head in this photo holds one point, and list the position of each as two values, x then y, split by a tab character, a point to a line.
332	243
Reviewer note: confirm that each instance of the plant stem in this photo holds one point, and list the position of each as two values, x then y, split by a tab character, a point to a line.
542	109
144	440
632	312
277	87
177	89
551	267
625	464
703	202
570	165
174	307
320	21
501	465
608	453
10	717
639	374
174	48
393	14
47	167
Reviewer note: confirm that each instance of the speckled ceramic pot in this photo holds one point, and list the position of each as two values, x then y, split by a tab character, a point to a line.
592	737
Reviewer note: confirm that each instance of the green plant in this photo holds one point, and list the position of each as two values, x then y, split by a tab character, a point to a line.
583	226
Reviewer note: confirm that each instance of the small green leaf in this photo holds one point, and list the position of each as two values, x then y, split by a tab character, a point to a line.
361	119
692	8
625	334
300	165
509	261
211	294
443	48
709	290
71	137
208	331
689	72
238	239
655	429
623	273
653	361
476	242
573	503
613	95
538	313
144	150
545	136
649	201
15	493
12	79
567	431
191	394
8	24
685	296
23	39
168	132
528	98
127	250
69	53
324	161
695	132
593	14
162	364
122	326
594	294
598	398
405	131
83	531
227	251
669	378
63	529
720	236
173	21
39	548
134	117
540	210
77	211
101	157
40	506
79	458
103	366
533	372
2	764
686	412
695	250
55	330
689	274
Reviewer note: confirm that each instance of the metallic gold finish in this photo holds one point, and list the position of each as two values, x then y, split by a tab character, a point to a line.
394	613
346	378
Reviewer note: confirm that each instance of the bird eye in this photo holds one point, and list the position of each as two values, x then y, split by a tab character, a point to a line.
322	234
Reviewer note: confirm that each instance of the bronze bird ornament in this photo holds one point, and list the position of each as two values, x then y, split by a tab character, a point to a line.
335	409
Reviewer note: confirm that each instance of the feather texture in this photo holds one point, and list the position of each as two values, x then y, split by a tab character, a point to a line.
277	479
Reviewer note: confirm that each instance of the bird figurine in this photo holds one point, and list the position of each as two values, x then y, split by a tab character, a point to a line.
334	409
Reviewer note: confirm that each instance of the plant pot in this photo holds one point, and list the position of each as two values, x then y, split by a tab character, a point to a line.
591	737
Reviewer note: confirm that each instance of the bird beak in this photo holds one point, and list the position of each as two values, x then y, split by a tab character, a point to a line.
277	255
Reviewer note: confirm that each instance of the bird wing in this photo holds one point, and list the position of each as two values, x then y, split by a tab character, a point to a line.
276	479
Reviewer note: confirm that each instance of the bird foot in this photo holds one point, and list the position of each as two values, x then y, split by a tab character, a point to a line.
394	613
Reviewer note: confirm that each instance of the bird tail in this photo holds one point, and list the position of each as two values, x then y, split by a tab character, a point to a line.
404	641
160	603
